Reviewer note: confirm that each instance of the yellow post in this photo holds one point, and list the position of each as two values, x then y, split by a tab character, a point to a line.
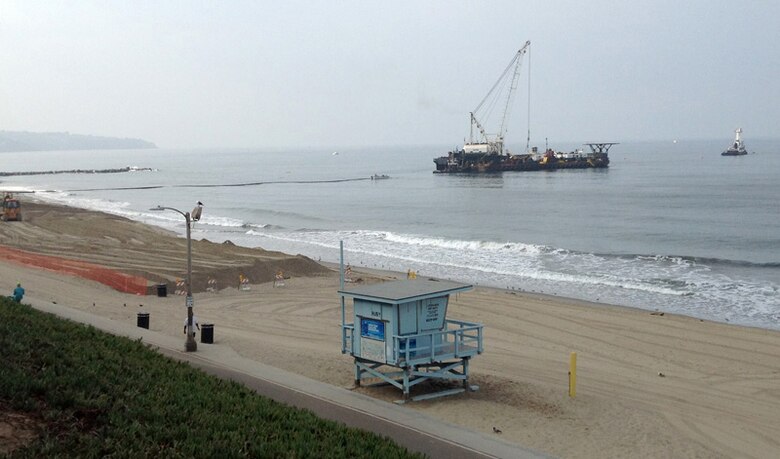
573	374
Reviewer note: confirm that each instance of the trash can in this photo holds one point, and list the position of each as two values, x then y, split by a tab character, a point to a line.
162	289
207	333
143	320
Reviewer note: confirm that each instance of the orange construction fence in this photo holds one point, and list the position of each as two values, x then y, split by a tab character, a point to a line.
114	279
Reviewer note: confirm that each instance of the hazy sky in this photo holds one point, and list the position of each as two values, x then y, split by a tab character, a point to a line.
352	73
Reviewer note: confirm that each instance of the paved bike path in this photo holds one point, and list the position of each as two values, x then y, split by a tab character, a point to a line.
408	427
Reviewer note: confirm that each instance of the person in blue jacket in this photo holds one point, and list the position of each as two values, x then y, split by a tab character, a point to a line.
18	293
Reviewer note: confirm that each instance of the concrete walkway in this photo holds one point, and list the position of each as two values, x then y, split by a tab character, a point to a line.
405	426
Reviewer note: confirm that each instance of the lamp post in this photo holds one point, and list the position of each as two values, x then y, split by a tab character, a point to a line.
189	345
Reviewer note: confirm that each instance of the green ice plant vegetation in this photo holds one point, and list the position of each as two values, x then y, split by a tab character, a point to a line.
93	394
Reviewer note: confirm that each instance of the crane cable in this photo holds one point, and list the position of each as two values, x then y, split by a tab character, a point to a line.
511	63
528	139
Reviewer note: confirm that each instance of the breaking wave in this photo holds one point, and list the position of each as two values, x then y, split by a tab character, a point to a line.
686	285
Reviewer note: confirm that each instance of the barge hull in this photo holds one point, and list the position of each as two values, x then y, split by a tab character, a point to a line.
458	162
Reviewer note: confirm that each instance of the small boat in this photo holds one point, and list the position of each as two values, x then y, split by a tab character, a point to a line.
379	177
737	148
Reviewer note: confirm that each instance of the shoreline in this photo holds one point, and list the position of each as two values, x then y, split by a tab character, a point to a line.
548	297
712	298
648	385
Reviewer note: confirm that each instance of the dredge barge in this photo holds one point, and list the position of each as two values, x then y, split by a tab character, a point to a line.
468	161
486	153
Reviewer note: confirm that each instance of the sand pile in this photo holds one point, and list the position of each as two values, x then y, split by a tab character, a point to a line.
134	248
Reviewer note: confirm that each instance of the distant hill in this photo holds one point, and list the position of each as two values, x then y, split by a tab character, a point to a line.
52	141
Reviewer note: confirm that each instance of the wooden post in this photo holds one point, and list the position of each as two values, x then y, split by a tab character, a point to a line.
573	374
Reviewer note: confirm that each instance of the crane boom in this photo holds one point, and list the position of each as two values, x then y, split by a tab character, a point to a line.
513	87
496	145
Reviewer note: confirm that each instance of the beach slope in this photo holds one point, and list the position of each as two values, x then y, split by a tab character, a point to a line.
649	385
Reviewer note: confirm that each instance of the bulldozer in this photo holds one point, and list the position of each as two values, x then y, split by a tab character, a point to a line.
12	208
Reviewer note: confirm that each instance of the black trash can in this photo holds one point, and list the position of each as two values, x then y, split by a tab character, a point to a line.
143	320
207	333
162	289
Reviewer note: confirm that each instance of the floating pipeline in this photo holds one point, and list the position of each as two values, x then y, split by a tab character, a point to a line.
217	185
79	171
118	281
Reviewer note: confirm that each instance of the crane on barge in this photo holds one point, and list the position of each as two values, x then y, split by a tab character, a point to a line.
494	143
486	153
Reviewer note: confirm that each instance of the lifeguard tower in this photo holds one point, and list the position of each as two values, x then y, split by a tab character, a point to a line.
403	324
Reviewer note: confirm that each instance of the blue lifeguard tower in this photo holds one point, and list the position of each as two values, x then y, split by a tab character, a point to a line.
404	325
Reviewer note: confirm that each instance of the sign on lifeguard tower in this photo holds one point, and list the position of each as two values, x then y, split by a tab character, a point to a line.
404	325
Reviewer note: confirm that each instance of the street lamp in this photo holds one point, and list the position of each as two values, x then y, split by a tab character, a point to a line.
189	345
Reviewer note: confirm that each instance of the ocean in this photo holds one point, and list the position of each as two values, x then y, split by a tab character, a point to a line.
670	226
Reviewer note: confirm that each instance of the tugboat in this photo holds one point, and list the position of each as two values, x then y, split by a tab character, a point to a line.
737	148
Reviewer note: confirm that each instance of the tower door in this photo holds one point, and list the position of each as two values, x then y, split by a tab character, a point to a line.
407	319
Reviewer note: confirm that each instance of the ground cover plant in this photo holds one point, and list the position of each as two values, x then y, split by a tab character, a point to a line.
92	394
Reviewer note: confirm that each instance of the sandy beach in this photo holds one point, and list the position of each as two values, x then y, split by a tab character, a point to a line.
649	385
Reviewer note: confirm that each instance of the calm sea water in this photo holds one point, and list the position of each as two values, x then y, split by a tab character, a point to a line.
669	226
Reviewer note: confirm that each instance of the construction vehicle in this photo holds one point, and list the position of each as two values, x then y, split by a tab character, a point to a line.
12	208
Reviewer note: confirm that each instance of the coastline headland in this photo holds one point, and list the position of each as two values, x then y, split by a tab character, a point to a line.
16	141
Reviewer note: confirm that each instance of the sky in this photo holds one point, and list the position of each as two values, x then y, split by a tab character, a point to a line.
279	74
